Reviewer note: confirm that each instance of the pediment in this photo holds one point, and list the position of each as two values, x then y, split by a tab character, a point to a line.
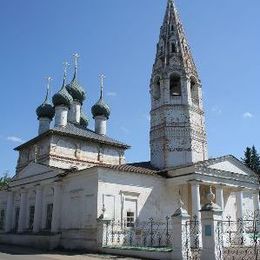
33	169
229	164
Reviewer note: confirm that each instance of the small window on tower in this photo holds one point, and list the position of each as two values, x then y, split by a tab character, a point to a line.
157	88
194	91
175	85
173	47
172	28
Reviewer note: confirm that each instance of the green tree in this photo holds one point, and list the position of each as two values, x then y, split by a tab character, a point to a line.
252	159
247	157
4	180
255	160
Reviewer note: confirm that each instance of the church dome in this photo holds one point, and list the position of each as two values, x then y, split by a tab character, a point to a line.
76	90
62	97
100	109
45	110
83	120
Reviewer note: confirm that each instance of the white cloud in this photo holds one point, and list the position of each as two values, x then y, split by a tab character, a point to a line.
111	94
247	115
216	110
14	139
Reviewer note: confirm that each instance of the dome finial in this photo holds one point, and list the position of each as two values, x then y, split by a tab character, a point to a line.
102	77
46	109
66	65
76	57
49	79
62	97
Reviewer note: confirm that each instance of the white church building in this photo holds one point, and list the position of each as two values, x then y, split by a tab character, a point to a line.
69	177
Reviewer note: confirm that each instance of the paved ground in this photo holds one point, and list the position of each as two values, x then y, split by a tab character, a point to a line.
23	253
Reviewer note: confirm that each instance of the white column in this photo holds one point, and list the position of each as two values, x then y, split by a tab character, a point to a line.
239	204
22	213
9	211
55	224
196	238
195	191
239	215
220	197
38	210
256	202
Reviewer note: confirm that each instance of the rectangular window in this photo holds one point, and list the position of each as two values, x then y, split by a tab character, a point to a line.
16	220
49	216
130	219
31	217
2	219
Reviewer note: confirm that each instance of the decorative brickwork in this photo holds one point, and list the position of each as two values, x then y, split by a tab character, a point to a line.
177	134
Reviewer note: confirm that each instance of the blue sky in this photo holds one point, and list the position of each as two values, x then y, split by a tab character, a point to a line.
118	38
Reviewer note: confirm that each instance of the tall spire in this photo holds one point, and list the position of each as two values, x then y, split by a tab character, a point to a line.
173	40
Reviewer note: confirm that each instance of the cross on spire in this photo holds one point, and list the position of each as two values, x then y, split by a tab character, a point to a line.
102	77
76	57
49	79
66	65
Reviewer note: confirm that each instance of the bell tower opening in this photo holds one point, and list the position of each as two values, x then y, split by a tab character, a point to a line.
175	85
157	87
194	90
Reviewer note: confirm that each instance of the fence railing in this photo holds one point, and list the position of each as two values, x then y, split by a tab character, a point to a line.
151	233
236	239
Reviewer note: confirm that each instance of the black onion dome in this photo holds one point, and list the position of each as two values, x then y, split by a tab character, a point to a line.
62	97
100	109
45	110
76	90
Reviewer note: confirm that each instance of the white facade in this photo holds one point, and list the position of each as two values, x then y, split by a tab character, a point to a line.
70	178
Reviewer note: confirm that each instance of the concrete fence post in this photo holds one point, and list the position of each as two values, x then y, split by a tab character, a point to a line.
212	235
181	234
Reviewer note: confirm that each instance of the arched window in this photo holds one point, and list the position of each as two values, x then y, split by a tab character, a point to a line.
194	90
172	28
173	47
175	85
157	88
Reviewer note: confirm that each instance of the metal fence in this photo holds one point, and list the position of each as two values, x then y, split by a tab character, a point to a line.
235	239
151	233
241	238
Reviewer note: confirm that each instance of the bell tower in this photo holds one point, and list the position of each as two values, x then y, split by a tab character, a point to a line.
177	131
